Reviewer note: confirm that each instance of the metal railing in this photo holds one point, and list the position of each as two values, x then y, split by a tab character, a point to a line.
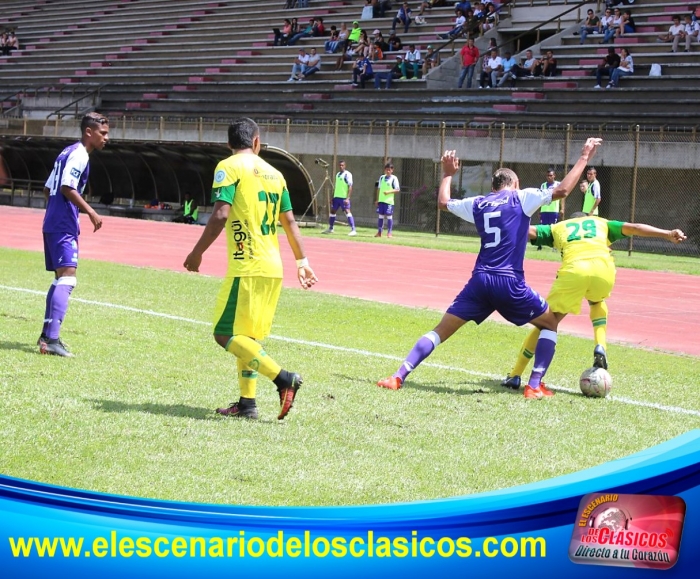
94	94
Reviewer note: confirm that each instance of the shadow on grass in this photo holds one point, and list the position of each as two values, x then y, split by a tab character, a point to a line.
462	388
21	346
179	410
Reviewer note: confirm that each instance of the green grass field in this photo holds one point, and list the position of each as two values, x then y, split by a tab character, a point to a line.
132	413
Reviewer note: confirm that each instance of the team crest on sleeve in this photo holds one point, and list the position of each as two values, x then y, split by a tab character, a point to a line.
75	173
219	176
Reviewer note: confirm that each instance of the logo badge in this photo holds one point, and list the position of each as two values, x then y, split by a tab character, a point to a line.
75	173
640	531
219	176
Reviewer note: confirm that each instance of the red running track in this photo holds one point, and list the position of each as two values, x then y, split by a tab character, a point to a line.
647	309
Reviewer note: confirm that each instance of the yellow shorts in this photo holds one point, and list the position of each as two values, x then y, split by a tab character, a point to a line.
590	279
246	306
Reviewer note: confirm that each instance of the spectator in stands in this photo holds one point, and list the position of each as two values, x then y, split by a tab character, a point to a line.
610	62
389	75
627	25
355	32
404	16
319	28
299	63
9	43
375	51
528	67
302	3
412	58
362	72
395	43
463	6
290	4
509	63
479	11
283	35
188	212
306	33
295	26
348	54
331	45
312	66
549	64
380	7
675	33
469	56
592	196
692	31
377	37
491	70
592	25
695	16
431	60
367	11
472	26
362	48
606	21
490	19
626	68
612	27
458	29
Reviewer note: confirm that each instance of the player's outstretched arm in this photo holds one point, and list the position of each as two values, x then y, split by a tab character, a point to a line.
214	226
305	274
644	230
450	165
573	177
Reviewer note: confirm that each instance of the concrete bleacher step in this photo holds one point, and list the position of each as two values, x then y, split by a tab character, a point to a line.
509	108
528	95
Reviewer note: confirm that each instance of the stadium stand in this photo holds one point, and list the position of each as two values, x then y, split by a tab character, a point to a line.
215	59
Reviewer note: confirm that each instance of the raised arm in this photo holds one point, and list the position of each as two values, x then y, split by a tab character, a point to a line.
450	165
572	177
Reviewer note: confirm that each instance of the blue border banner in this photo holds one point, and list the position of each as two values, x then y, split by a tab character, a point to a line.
49	531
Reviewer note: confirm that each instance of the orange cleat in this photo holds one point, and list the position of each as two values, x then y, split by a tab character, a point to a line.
377	234
546	392
532	393
391	383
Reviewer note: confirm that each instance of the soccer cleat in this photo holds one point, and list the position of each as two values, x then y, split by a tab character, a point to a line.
378	234
239	411
389	235
512	382
327	231
546	392
42	340
54	348
353	233
533	393
600	360
391	383
287	395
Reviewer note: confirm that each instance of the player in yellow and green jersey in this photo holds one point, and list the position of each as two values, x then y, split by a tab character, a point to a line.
387	187
249	197
587	272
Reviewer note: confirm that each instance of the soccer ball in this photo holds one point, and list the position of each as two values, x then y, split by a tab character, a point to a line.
596	382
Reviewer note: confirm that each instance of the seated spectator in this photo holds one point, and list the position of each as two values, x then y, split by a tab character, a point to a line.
479	11
591	25
469	56
549	64
188	212
528	67
463	6
282	36
625	68
375	51
362	48
319	28
458	29
331	45
509	63
692	31
695	16
380	7
627	25
8	43
610	62
354	34
389	75
675	33
290	4
431	60
295	26
302	3
412	58
306	33
362	72
378	38
395	43
299	63
491	69
490	19
312	66
348	54
404	15
472	26
606	21
612	27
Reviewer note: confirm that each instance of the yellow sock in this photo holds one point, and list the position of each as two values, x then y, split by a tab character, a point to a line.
247	380
599	319
253	356
527	351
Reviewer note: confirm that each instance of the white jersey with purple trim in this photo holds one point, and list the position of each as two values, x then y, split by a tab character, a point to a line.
71	169
502	220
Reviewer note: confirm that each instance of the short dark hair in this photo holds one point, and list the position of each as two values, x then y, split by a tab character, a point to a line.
242	132
92	121
388	166
503	178
577	214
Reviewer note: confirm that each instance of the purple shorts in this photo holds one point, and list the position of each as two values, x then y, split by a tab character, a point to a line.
60	250
548	218
385	209
511	297
340	203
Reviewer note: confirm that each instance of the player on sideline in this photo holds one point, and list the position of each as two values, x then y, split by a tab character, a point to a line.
550	213
502	219
387	187
63	192
587	272
249	195
341	199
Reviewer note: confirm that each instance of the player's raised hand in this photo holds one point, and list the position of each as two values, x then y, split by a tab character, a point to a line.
306	276
450	163
591	146
676	236
192	262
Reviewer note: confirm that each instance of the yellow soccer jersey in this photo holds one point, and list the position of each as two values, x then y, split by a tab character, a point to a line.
258	194
581	238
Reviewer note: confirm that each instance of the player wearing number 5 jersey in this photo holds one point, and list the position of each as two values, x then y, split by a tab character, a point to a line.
587	272
502	219
249	197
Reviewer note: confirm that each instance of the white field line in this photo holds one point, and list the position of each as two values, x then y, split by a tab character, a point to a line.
621	399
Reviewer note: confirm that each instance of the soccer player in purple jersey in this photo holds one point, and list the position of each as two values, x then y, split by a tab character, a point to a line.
502	219
63	192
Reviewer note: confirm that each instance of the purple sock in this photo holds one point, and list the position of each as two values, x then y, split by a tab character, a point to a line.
544	352
351	221
331	221
421	350
47	311
389	224
380	224
59	306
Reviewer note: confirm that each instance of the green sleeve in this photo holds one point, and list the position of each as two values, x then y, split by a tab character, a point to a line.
544	236
286	203
225	193
615	231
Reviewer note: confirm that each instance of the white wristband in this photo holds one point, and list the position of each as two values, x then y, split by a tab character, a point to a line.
303	262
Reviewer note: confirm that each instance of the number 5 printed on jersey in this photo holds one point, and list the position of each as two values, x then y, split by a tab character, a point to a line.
492	229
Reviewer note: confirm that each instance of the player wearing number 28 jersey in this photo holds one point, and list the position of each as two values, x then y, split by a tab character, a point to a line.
502	219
